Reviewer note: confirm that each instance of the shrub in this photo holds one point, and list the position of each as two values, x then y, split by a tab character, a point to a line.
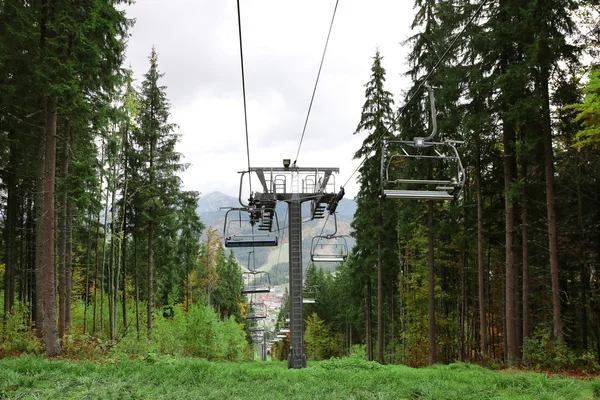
204	336
543	351
15	335
320	343
358	351
235	340
168	333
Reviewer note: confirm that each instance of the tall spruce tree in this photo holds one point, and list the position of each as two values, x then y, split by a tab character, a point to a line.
373	222
156	140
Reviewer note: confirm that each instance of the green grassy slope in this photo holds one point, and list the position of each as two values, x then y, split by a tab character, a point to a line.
279	254
28	377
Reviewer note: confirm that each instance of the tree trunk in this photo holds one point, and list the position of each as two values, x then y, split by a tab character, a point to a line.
150	249
582	261
480	266
150	278
380	328
48	289
551	206
112	306
368	323
510	299
135	277
525	245
97	249
124	266
124	230
87	279
62	231
431	285
69	264
10	232
39	239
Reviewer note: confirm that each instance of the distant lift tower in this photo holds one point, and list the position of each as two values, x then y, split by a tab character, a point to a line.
294	185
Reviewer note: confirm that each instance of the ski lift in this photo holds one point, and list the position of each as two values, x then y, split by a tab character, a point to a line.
444	180
257	311
256	328
309	295
329	248
256	282
265	218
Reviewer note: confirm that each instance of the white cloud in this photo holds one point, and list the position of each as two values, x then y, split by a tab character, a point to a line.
198	48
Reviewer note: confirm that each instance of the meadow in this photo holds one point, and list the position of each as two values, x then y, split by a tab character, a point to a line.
153	377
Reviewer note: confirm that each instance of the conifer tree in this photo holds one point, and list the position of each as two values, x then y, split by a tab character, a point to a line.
373	221
156	141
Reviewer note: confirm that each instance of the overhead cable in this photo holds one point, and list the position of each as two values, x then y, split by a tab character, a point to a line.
244	92
423	82
316	82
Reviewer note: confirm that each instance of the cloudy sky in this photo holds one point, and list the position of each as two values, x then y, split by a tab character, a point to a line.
198	48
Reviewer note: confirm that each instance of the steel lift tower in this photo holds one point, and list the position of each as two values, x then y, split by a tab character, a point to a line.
294	185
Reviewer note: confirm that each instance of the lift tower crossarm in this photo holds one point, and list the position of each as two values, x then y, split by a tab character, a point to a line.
293	185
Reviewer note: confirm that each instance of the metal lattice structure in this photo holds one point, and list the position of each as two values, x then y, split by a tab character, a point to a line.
443	176
292	185
235	230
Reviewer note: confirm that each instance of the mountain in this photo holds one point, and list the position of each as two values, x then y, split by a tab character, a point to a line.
275	259
213	201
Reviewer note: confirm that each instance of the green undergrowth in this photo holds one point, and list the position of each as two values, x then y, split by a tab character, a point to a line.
30	377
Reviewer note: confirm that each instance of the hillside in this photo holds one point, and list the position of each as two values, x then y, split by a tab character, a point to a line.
276	258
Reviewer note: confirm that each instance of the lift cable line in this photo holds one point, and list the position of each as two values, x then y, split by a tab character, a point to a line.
244	91
316	83
423	81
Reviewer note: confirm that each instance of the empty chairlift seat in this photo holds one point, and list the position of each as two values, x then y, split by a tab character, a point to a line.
239	227
420	170
309	295
329	248
256	282
256	311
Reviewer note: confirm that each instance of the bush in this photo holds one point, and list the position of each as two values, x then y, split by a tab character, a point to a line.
543	351
15	335
235	340
204	336
348	363
169	333
320	343
358	351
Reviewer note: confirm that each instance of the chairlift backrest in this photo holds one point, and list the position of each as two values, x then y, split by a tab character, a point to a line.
256	282
398	155
329	248
398	178
265	217
257	311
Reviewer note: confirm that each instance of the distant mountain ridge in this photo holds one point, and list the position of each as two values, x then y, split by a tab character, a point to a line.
213	201
212	216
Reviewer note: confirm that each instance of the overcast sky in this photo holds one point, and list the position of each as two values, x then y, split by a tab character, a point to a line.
198	51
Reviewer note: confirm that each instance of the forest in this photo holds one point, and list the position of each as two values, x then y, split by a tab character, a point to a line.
101	249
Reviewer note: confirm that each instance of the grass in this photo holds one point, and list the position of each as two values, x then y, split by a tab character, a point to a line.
179	378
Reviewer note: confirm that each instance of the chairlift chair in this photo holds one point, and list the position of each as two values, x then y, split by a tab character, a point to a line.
265	218
256	282
397	161
328	248
397	157
310	295
257	311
